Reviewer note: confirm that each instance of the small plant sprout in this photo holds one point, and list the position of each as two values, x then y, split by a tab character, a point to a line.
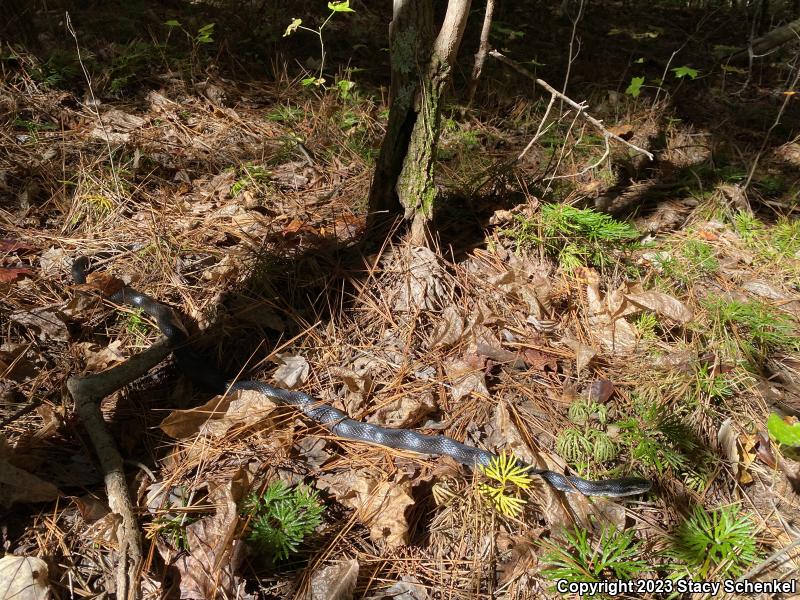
280	518
508	479
721	543
334	7
577	558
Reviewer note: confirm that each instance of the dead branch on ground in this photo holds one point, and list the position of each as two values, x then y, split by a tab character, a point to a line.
87	392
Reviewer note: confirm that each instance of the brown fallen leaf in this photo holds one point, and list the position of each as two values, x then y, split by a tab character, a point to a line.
218	415
466	378
605	317
449	330
764	451
406	411
23	578
47	323
422	286
484	342
727	437
408	588
12	274
623	130
522	558
336	581
381	504
583	353
292	372
11	246
600	391
209	569
663	304
17	485
100	358
539	361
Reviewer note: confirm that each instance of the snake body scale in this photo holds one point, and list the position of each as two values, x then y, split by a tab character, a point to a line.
336	421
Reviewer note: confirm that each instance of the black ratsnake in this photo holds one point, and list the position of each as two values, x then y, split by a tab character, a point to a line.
335	420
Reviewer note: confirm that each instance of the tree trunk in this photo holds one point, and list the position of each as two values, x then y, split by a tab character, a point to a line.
421	67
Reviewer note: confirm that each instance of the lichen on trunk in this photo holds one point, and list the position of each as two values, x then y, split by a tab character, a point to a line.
421	66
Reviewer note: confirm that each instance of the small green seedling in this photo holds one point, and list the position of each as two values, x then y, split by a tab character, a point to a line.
334	7
281	517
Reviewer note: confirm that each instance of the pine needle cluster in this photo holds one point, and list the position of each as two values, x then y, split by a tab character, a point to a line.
583	236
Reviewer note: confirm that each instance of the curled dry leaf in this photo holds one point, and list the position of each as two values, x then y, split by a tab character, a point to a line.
466	378
739	450
17	485
505	434
117	126
209	569
11	246
292	372
600	391
23	578
522	557
764	451
406	411
47	323
662	304
224	270
605	318
381	504
12	274
218	415
335	582
54	261
421	287
100	358
448	330
583	353
484	342
408	588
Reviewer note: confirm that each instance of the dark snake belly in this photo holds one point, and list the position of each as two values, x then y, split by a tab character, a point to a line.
338	422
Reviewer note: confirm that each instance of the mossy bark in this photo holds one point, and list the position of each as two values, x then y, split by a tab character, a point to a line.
403	185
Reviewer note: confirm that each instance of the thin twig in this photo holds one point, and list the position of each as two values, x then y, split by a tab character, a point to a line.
787	98
771	558
572	38
581	108
93	107
483	49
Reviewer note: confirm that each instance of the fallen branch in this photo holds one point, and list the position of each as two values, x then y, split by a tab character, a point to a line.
504	166
774	39
580	107
87	392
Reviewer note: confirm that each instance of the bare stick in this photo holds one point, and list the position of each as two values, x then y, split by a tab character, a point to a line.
483	49
581	108
572	39
94	103
88	391
775	123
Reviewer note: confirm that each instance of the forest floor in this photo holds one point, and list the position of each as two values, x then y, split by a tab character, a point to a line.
586	309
